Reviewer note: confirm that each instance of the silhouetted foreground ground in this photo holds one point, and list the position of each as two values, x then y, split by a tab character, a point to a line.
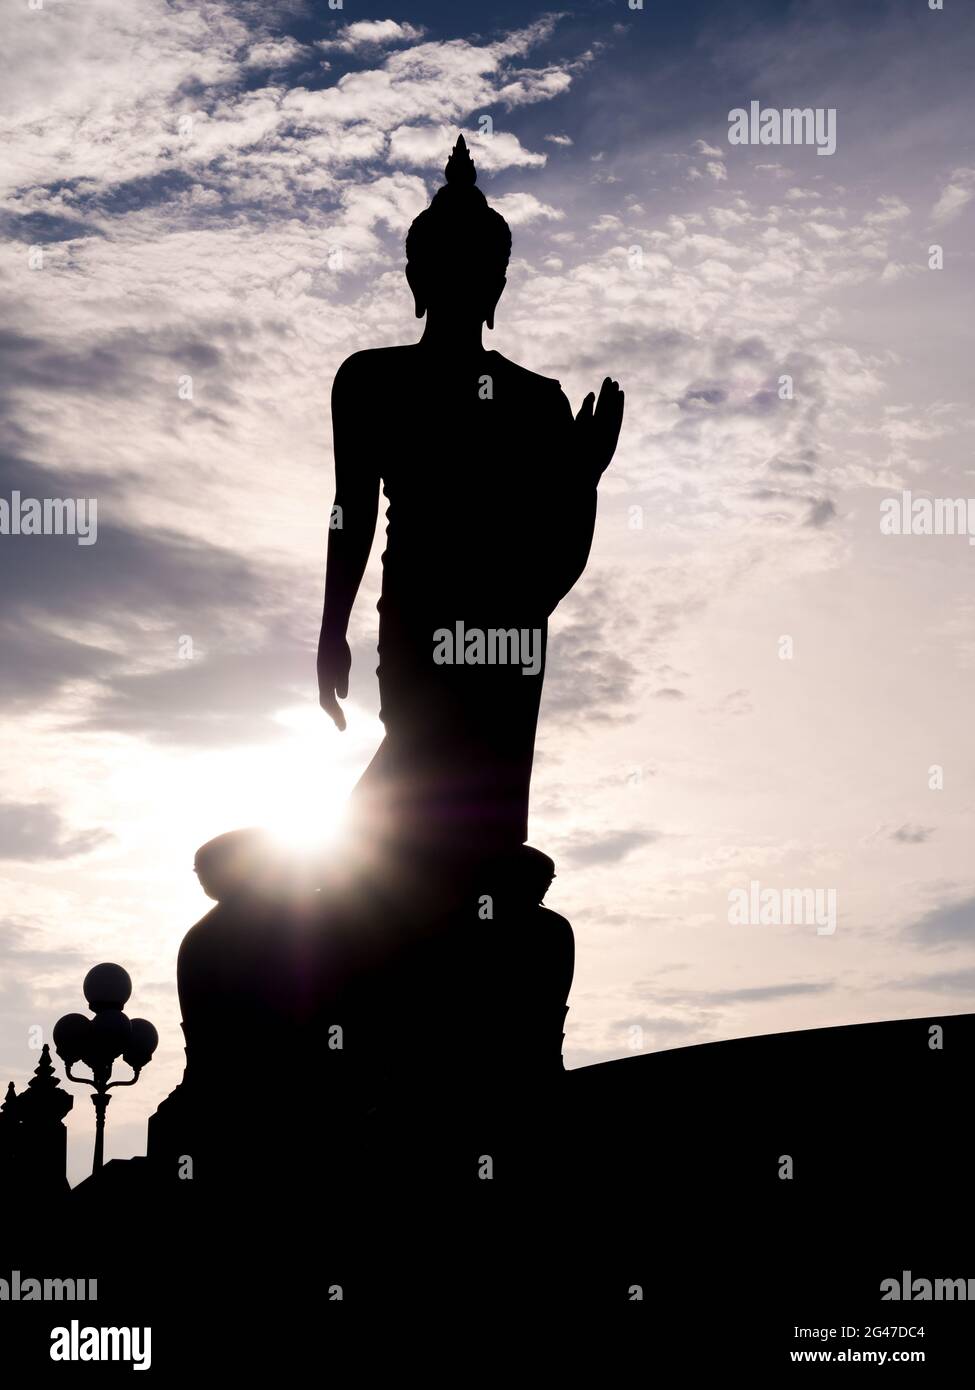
642	1196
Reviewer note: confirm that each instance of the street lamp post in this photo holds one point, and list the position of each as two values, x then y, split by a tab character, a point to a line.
98	1042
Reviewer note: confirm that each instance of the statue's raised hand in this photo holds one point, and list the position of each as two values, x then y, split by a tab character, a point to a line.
597	428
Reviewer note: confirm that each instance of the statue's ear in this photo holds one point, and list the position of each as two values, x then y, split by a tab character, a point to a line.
419	299
489	317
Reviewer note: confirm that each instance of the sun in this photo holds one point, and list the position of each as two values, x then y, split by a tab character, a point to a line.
303	819
297	788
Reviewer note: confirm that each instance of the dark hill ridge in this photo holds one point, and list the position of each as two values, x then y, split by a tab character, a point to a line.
859	1110
652	1180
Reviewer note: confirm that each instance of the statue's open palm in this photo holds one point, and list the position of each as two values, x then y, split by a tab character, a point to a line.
597	427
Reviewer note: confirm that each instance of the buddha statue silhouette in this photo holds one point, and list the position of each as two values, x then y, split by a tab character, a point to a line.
491	486
491	490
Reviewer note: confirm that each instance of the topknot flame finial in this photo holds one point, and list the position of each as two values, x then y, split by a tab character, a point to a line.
459	171
458	215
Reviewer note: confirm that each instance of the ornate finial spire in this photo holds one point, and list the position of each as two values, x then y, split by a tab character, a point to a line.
43	1077
459	170
44	1097
9	1131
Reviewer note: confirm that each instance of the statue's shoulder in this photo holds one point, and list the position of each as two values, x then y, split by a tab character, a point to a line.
532	383
203	930
532	395
371	363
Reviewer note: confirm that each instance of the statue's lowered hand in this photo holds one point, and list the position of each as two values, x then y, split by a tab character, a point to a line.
334	664
597	427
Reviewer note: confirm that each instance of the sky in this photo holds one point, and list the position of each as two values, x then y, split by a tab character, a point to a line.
203	210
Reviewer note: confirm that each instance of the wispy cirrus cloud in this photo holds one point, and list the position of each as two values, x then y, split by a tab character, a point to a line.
951	923
35	831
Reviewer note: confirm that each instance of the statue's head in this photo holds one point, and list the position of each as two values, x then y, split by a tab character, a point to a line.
457	250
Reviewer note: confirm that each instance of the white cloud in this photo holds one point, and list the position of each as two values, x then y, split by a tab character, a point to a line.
891	209
534	86
956	194
522	208
825	232
371	33
276	53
